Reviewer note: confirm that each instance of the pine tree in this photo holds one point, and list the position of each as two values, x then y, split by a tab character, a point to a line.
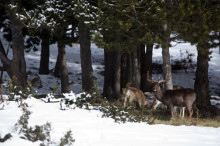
16	66
201	28
86	15
55	16
125	25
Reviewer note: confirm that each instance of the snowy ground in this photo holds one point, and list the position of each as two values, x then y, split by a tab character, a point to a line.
88	127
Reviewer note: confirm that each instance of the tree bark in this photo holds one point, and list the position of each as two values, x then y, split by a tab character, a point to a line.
202	82
62	62
135	68
125	70
167	71
45	53
57	67
219	41
146	65
85	55
18	64
112	75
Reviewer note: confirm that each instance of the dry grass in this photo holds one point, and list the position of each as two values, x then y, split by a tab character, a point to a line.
161	116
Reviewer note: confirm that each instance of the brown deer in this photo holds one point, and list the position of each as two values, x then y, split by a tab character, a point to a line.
156	103
132	94
180	98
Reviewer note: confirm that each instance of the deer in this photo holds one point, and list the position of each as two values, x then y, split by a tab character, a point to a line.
132	94
181	97
156	103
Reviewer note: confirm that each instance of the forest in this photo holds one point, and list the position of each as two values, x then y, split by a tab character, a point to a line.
128	32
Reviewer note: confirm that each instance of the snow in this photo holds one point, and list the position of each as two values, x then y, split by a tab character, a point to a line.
89	128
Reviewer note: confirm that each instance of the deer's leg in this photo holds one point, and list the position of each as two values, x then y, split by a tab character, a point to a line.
183	111
171	111
125	101
138	106
190	112
175	110
196	109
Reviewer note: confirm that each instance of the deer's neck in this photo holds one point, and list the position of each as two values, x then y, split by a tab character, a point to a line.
159	94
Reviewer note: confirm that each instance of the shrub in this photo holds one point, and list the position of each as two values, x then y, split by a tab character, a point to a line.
41	133
17	92
67	140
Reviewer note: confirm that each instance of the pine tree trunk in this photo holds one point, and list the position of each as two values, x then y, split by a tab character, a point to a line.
146	65
112	75
62	63
135	68
125	70
57	67
18	65
6	63
85	55
202	81
167	67
219	41
166	58
45	53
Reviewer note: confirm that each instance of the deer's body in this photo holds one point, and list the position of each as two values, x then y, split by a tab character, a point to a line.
180	98
132	94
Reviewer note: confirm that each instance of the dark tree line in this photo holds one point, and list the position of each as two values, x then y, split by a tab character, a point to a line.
126	29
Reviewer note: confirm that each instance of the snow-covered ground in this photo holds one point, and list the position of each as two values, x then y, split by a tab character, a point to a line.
88	127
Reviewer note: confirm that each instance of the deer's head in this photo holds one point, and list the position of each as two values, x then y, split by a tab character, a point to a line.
156	85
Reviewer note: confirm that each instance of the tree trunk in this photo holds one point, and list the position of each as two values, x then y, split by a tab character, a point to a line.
143	68
85	55
167	70
4	60
57	67
18	65
125	70
135	68
45	53
146	65
167	67
202	81
62	62
219	41
112	75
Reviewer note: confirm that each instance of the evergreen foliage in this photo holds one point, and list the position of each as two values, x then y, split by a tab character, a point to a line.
201	24
15	90
67	140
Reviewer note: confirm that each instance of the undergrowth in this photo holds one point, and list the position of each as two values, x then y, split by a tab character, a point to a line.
121	114
39	133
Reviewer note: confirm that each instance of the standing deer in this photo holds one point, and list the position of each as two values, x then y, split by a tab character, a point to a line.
170	98
156	103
